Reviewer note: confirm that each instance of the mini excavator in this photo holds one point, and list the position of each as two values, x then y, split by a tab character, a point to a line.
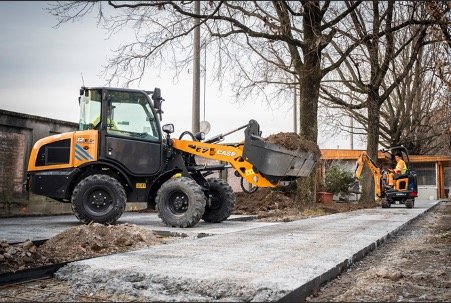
389	188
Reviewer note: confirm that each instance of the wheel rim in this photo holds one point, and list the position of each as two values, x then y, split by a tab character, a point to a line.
98	201
178	202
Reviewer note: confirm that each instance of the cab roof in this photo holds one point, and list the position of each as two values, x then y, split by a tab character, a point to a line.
148	92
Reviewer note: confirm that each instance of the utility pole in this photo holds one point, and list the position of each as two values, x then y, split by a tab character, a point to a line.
295	109
196	71
205	74
352	133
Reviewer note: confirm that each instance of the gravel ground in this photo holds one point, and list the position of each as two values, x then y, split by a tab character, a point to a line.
415	265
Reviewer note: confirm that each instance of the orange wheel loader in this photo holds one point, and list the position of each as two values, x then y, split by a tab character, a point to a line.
120	153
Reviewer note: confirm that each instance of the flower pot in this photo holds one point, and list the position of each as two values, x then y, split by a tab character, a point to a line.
324	197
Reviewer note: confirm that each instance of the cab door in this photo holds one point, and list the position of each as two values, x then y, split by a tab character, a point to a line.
133	136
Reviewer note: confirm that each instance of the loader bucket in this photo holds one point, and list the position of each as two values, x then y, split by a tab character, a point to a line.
275	162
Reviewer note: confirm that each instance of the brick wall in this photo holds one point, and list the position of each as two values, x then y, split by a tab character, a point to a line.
18	133
12	149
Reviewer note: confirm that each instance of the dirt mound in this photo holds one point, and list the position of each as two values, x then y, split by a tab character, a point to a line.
263	199
275	205
293	141
280	205
76	243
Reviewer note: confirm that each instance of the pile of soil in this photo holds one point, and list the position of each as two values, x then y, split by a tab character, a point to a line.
263	200
293	141
84	241
279	205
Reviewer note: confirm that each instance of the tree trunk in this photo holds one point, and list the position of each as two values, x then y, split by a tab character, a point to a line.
368	192
310	79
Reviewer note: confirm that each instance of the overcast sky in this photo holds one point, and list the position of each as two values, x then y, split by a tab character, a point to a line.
41	66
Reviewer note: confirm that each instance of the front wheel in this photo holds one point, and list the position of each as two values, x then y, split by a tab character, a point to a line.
222	201
98	198
180	202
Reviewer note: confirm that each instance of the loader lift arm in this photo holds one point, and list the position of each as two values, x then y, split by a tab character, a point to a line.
261	163
227	153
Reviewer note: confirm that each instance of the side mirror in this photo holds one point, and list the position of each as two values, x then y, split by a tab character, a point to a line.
157	100
168	128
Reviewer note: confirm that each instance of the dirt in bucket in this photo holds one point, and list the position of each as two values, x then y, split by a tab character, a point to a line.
293	141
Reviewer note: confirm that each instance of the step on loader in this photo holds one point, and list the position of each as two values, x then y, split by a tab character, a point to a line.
121	153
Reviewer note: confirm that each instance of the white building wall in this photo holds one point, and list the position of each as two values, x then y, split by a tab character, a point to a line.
427	192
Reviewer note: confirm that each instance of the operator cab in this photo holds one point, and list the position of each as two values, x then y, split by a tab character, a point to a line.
128	126
405	185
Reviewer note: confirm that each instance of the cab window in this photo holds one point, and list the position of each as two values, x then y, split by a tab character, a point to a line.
130	115
90	109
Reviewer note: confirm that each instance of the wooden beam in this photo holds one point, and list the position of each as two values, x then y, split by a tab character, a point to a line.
348	154
440	181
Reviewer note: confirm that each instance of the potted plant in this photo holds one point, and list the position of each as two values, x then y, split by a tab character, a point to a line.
324	195
337	180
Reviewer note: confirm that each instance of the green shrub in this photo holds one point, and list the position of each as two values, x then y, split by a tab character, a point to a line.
337	180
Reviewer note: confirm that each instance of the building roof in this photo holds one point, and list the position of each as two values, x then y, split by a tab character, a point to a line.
348	154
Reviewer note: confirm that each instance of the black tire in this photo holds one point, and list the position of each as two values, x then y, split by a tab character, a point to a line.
222	201
180	202
410	203
98	198
385	203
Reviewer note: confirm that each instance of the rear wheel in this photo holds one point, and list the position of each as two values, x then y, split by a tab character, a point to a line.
222	201
98	198
410	203
385	203
180	202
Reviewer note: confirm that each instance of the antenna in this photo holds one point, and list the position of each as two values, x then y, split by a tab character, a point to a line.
82	80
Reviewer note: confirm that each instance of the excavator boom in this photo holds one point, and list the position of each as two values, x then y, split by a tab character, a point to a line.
363	160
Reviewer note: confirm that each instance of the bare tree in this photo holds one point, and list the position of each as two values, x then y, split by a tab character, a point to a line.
417	113
395	27
260	46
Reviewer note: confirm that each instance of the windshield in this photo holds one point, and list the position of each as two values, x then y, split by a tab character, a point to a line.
90	109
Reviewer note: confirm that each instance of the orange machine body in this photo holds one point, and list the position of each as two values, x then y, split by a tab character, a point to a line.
77	149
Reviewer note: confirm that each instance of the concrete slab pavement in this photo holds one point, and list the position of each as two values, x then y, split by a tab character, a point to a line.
19	229
270	263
